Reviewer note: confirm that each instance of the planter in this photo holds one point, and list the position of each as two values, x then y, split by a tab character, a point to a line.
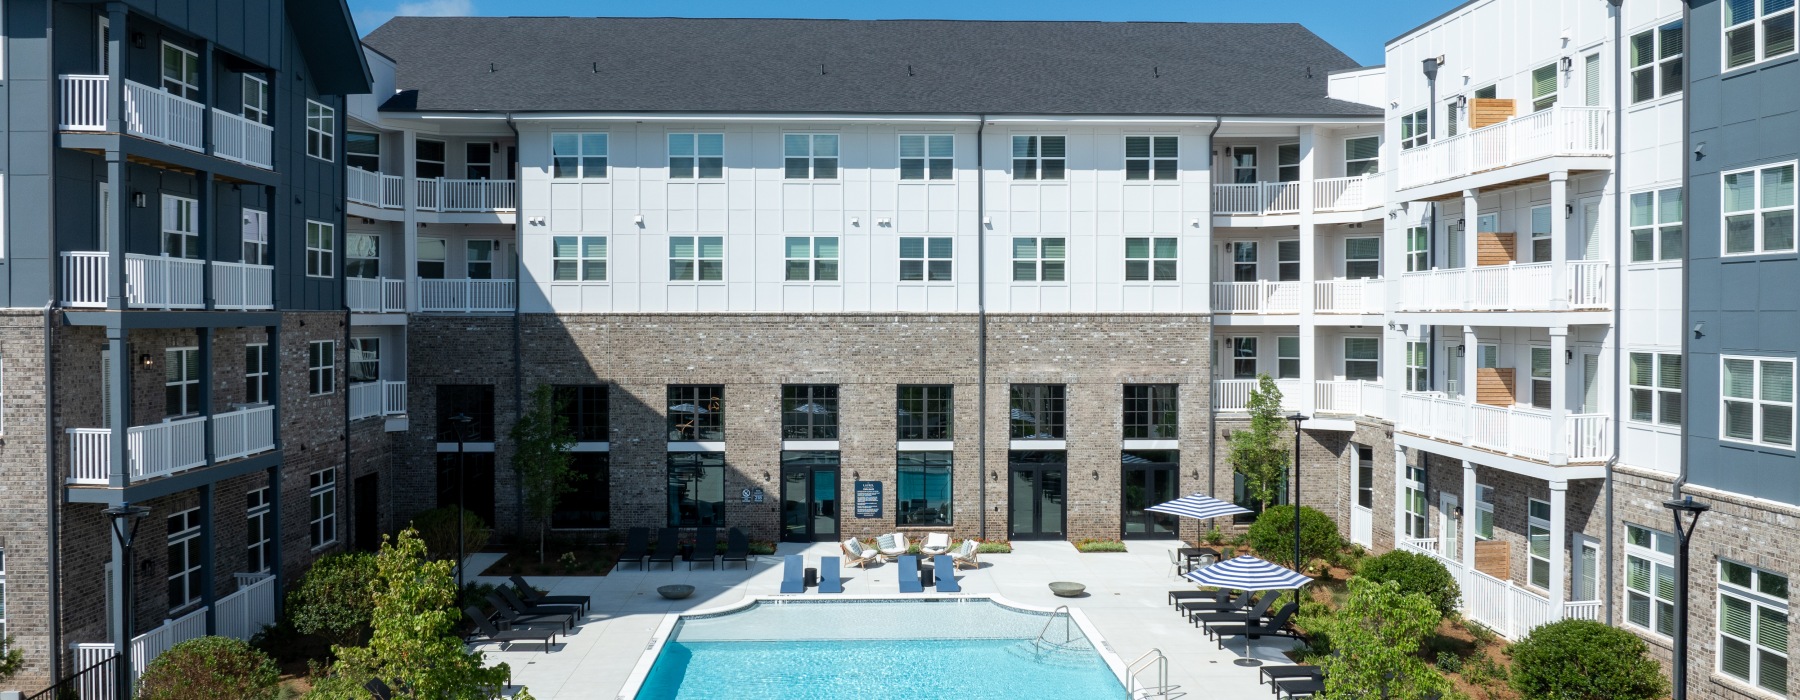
1067	589
675	591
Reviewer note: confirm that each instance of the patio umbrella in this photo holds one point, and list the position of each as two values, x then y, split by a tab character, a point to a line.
1199	506
1248	573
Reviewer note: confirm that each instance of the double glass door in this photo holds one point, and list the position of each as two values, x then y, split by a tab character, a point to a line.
1149	479
809	496
1038	486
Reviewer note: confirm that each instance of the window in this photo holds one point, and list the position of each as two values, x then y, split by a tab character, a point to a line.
1540	378
257	379
1152	412
1453	116
1655	381
1038	260
186	568
1540	234
1590	71
1037	411
1753	624
1362	156
1287	261
1757	30
1543	88
578	156
1243	165
322	496
1362	258
1484	512
923	489
586	410
478	258
587	504
809	412
1650	580
1151	157
926	413
1243	261
813	259
365	360
1287	162
1243	357
256	237
696	156
180	227
321	240
1656	232
321	367
1418	249
1362	359
1537	535
428	159
1415	129
259	531
578	258
362	255
925	259
362	150
696	489
810	156
1418	366
1039	157
473	400
1150	259
696	413
478	160
926	156
1415	522
321	131
1759	210
256	99
2	593
180	72
1365	477
1758	394
696	258
1287	357
181	381
431	258
1656	62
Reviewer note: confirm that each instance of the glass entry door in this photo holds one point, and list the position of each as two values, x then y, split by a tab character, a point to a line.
1038	486
809	496
1149	479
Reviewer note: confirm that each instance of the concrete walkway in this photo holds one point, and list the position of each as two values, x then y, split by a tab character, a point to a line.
1126	600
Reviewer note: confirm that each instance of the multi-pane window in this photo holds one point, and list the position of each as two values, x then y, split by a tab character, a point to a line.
925	412
1150	259
1757	30
1759	210
1650	580
1243	165
1416	524
578	156
1540	378
1540	234
1038	259
1484	512
362	255
696	489
926	156
1656	232
1415	129
181	381
321	131
1543	88
1287	162
478	160
187	559
256	100
925	259
1152	412
1287	357
809	412
256	236
1362	156
1655	380
578	258
1537	536
1362	358
478	258
1039	157
1418	366
696	413
1037	411
1243	261
259	531
923	488
1758	398
1243	357
180	72
1418	249
696	156
180	227
587	505
321	496
257	380
429	157
585	409
365	359
1362	258
1287	261
321	367
1365	477
696	258
472	401
432	254
810	156
1656	62
362	150
812	258
321	246
1753	624
1151	157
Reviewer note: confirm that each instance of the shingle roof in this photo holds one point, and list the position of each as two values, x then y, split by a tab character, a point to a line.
556	64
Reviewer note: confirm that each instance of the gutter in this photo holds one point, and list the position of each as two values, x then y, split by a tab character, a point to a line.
981	318
1212	417
518	340
51	489
1687	174
1618	248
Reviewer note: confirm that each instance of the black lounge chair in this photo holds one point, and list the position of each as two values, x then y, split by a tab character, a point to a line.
1255	614
637	546
737	547
1240	602
532	596
1270	674
706	547
668	542
1275	627
509	616
485	632
1299	687
511	598
1178	597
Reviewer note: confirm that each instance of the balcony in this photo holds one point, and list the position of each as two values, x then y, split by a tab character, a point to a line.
172	447
1336	194
1554	132
1507	608
241	286
159	282
375	294
1351	397
1233	395
1587	286
375	189
243	141
1259	297
446	195
466	295
164	117
1518	431
1341	296
377	398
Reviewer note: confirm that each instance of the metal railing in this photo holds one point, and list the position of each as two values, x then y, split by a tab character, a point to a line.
375	189
1511	287
1558	131
1266	198
448	195
242	140
382	397
243	286
93	682
1344	296
162	116
1162	689
375	294
1259	297
465	295
243	432
245	612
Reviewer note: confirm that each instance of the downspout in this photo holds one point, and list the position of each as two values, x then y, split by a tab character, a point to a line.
981	318
1431	66
1618	246
1687	160
517	338
51	488
1212	417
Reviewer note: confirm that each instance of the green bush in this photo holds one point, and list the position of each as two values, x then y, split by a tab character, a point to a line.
1213	536
1272	535
1584	660
438	528
1449	662
1416	573
333	600
1096	545
209	668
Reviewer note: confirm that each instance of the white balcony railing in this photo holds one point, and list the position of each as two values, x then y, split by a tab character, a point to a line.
146	647
1346	396
242	140
84	278
153	450
1348	193
1505	607
151	281
375	189
1587	285
447	195
378	398
162	116
246	611
243	432
1558	131
1267	198
243	286
465	295
1520	431
83	103
1341	296
375	294
1260	297
1233	395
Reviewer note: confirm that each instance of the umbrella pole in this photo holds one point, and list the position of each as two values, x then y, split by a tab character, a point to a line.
1248	660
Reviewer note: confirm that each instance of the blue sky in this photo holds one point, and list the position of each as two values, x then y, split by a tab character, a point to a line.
1358	27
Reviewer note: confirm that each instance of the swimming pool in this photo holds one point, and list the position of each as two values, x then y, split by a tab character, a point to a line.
971	647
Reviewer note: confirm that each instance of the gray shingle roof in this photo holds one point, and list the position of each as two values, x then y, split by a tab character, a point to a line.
550	64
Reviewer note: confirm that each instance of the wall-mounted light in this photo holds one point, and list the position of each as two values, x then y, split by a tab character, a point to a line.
1697	334
1700	150
638	219
139	200
1194	223
144	359
1568	355
138	39
1568	210
884	221
1568	62
1096	475
855	221
765	475
987	221
856	474
1459	350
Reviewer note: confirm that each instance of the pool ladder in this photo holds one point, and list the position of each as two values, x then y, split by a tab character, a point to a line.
1068	638
1162	690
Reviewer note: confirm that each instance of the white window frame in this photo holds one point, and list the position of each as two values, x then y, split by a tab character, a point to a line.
584	262
1151	159
1244	348
180	227
1040	262
1758	211
1245	168
258	510
363	350
809	151
1246	265
351	156
1349	261
1282	166
1287	350
590	153
1546	100
1541	228
321	249
189	69
1655	562
322	508
1484	512
698	149
257	109
473	255
929	158
818	261
1655	66
321	131
350	251
1415	129
442	259
179	572
1757	25
1758	405
256	379
1418	366
1418	249
255	235
2	592
478	160
697	260
1153	265
922	259
1352	164
1660	385
1375	361
1758	601
1532	559
321	367
1534	378
1655	216
1287	257
1030	157
176	361
1416	516
440	163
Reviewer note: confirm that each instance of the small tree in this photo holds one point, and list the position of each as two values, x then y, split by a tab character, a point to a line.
1416	573
1272	535
1261	453
332	600
541	443
1376	640
11	659
437	527
1584	660
210	668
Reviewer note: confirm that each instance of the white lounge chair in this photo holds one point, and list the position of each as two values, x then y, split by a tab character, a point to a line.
856	554
935	543
892	545
965	555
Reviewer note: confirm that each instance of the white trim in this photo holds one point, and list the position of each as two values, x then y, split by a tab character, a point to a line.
1549	557
602	446
925	446
1051	445
1756	401
1756	210
467	447
819	445
1150	444
696	446
1758	37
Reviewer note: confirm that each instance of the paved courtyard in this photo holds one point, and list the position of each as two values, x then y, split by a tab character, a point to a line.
1126	600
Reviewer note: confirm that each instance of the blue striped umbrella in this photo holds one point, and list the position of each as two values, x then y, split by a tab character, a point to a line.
1199	506
1248	573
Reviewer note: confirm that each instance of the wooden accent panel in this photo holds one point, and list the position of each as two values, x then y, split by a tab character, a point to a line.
1495	248
1494	386
1494	558
1488	111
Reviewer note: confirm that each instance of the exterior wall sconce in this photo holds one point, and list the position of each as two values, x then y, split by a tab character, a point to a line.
1459	350
144	359
1194	223
139	200
638	219
884	221
987	221
855	221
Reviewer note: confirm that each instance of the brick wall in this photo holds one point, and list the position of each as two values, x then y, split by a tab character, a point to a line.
24	516
1327	473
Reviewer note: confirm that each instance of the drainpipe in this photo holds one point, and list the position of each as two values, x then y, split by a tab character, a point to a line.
1431	66
1687	321
981	317
51	488
1212	417
517	337
1618	248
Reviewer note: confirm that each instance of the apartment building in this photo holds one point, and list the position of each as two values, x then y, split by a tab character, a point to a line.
170	291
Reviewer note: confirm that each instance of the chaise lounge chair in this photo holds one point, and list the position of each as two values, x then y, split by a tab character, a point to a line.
706	547
668	543
511	617
935	543
1270	674
511	598
965	554
855	553
737	548
532	596
909	575
791	581
1275	627
1299	687
485	632
829	582
892	545
1225	617
945	572
1218	596
637	546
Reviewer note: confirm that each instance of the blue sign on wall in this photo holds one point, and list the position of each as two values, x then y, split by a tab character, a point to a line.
868	499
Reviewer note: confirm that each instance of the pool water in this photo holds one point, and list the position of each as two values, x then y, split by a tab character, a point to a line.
874	650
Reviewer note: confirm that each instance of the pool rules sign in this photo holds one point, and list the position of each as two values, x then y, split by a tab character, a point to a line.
868	499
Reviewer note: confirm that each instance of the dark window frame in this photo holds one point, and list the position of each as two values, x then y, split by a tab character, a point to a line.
918	467
1152	411
703	420
589	416
1047	404
476	400
589	469
931	417
798	422
706	513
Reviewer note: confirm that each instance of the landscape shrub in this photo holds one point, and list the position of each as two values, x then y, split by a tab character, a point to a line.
1272	535
1093	545
438	528
1584	660
1416	573
210	668
332	599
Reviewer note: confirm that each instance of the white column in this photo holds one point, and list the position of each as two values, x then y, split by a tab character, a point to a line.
1470	360
1399	495
1559	389
1471	211
1309	359
409	216
1559	546
1559	239
1468	519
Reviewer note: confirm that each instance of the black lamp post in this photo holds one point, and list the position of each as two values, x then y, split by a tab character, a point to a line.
1684	528
461	421
125	519
1297	418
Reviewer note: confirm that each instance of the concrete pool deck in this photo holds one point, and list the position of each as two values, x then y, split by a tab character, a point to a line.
1126	600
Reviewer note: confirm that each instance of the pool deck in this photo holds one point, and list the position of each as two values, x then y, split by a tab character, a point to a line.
1127	600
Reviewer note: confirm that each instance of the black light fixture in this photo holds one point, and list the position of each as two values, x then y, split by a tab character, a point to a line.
1684	528
125	519
1298	418
144	359
139	200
